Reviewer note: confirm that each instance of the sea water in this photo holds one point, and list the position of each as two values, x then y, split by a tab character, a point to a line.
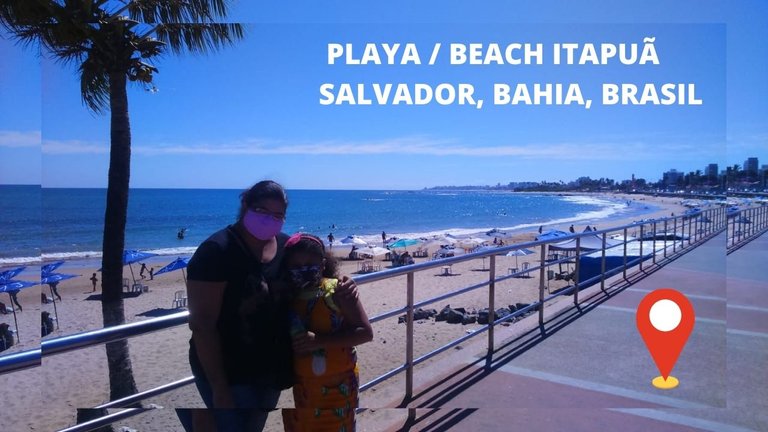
68	223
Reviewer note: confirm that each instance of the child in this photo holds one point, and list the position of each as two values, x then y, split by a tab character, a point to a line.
325	329
94	281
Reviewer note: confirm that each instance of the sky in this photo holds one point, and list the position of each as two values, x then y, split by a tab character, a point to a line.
253	111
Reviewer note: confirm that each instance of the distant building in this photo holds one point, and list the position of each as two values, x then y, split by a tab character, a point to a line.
672	177
711	170
750	167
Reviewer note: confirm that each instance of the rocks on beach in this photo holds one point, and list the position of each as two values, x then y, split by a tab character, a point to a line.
461	315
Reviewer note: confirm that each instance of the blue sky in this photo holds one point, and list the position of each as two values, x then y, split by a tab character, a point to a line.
252	111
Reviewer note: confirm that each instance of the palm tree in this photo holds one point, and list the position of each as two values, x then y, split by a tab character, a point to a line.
112	43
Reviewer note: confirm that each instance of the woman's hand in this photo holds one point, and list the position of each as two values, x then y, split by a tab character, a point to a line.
305	343
347	290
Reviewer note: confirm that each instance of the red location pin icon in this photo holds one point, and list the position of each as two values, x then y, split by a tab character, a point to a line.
665	319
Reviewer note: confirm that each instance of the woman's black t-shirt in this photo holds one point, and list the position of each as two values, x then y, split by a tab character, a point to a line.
253	322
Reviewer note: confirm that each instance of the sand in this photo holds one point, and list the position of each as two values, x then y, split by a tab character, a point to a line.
79	379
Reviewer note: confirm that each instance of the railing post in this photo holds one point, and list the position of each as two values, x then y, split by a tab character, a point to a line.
409	339
674	242
491	307
625	252
666	233
654	242
542	272
602	266
576	273
641	246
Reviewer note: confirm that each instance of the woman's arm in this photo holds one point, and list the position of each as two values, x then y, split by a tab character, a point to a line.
205	300
356	330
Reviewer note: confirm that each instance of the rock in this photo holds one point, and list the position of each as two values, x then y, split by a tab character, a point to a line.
482	316
443	315
469	319
502	312
455	317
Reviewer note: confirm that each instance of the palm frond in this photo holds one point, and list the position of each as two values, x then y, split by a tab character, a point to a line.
94	84
178	11
198	38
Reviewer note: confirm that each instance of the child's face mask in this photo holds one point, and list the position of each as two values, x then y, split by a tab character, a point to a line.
306	276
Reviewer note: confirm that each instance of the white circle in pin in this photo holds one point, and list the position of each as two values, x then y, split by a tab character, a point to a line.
665	315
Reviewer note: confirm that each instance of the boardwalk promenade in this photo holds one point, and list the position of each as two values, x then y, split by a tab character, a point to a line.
590	370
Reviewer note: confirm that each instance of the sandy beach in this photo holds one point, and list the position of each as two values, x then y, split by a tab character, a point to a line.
79	379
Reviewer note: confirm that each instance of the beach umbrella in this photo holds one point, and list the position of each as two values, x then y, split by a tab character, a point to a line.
12	285
177	264
518	253
131	256
551	234
56	277
372	251
404	243
353	240
9	274
50	278
49	268
470	242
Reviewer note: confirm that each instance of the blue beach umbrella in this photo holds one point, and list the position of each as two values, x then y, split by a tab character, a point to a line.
551	234
177	264
12	285
56	277
404	243
7	275
49	268
130	256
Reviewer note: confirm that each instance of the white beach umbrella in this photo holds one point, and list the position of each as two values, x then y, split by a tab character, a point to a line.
353	240
372	251
470	242
519	252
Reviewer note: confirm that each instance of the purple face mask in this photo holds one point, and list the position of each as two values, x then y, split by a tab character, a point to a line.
260	225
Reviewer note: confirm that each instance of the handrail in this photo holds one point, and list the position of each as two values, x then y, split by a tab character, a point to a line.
744	226
695	236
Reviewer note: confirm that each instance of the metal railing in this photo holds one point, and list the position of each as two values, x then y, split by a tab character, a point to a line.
744	226
686	231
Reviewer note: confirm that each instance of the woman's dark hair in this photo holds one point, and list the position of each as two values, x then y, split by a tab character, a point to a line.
263	190
307	243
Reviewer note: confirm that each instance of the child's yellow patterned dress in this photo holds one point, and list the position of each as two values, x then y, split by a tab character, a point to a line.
326	380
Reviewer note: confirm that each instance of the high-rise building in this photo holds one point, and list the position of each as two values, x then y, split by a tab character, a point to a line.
671	177
750	166
711	170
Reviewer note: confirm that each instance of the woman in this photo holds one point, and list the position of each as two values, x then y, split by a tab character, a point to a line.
240	351
325	328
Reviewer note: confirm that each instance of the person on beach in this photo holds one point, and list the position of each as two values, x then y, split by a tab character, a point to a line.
15	299
572	229
46	325
240	350
151	273
143	269
55	292
541	227
384	237
325	328
330	240
6	337
94	281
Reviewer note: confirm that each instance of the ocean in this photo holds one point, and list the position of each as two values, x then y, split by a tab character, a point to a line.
68	223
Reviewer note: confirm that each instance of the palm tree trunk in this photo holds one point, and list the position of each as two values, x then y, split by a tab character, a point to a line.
121	382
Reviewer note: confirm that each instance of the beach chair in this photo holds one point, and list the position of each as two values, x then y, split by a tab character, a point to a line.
126	286
180	299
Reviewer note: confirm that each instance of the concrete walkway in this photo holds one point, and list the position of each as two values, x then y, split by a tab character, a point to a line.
591	370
